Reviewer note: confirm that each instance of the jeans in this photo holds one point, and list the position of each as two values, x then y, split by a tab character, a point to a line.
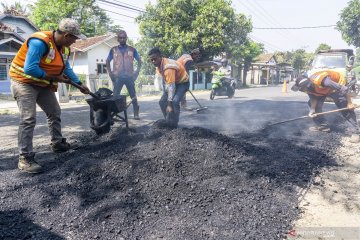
173	117
27	96
129	82
340	102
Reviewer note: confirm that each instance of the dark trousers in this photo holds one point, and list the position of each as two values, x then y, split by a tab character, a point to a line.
173	117
340	102
27	96
119	82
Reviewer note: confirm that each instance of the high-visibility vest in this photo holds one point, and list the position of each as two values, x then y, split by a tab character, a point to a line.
123	63
53	62
318	77
181	75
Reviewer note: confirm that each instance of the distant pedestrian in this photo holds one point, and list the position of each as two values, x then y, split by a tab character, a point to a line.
175	84
39	65
324	84
122	73
187	60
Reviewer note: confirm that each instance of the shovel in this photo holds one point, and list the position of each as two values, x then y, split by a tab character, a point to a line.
78	86
314	115
201	107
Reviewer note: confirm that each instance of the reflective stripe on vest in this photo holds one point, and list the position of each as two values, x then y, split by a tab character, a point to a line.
19	70
48	59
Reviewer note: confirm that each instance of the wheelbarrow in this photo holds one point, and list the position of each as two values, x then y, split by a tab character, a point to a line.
105	109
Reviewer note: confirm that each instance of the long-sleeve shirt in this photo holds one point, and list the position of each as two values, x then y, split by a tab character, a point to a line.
36	50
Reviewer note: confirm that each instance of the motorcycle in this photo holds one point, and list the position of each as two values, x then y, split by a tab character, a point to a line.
222	86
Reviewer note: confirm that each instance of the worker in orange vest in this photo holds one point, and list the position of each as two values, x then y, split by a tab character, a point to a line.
123	73
175	83
38	67
187	60
324	84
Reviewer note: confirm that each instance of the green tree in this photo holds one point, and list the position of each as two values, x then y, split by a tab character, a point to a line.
177	26
357	57
46	14
349	24
322	47
283	57
245	55
299	60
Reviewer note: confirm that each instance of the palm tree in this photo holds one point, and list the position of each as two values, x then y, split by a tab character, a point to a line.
15	9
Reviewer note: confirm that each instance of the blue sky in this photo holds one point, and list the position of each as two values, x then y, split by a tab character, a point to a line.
265	14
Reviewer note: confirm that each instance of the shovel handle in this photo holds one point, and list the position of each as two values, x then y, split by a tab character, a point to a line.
78	86
336	110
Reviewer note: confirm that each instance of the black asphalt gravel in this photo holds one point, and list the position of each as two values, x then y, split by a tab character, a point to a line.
185	183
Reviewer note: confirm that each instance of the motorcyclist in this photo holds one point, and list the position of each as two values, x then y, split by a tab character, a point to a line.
225	68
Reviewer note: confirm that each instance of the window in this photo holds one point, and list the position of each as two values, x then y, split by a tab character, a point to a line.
3	72
101	68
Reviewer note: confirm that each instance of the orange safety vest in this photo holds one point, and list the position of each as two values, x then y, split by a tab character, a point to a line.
184	59
318	77
53	63
123	63
181	75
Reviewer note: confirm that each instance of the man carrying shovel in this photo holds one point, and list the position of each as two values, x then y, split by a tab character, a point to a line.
324	84
39	65
175	84
187	60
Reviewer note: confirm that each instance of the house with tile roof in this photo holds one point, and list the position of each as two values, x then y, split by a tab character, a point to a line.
14	30
263	70
88	57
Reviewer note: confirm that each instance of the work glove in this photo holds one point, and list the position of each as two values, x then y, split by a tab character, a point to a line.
343	90
84	89
57	78
312	113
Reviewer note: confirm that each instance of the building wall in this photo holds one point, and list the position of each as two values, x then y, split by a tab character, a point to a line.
5	60
80	63
97	55
21	23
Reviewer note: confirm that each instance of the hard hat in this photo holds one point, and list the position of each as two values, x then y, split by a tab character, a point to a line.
300	83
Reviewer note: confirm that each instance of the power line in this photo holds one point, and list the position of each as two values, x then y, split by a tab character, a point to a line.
118	13
292	28
132	6
276	23
121	5
266	43
269	20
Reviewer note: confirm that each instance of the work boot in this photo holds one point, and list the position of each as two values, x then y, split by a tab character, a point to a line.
320	128
355	138
28	164
61	146
136	113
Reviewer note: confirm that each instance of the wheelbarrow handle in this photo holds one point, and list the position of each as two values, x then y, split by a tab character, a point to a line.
78	86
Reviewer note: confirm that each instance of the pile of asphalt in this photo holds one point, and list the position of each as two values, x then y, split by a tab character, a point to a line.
162	184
